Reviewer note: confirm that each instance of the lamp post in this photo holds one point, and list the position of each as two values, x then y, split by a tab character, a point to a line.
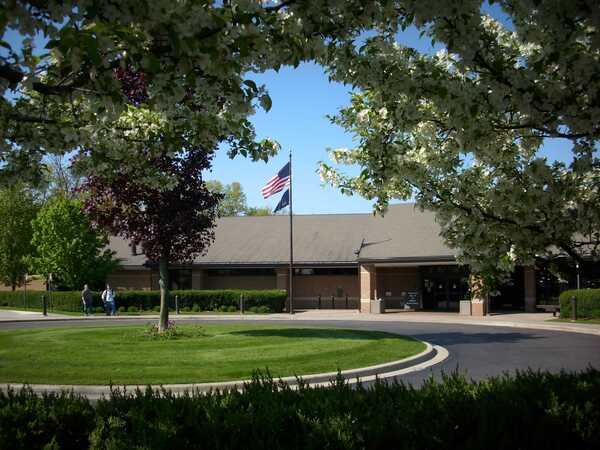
577	267
25	292
50	289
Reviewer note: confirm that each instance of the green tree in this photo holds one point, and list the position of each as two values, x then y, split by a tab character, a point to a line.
462	131
233	198
258	211
17	209
172	225
67	246
60	178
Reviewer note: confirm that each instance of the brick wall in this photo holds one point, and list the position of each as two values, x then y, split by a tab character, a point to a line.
35	284
240	282
395	281
139	280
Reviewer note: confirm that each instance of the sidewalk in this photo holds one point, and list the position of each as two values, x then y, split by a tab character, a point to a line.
18	316
538	321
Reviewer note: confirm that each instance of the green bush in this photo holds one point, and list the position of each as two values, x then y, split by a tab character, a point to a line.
213	300
588	303
528	411
133	309
195	307
56	300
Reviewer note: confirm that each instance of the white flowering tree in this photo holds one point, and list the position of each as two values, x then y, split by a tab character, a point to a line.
111	76
462	131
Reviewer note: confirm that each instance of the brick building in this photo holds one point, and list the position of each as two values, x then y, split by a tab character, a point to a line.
343	259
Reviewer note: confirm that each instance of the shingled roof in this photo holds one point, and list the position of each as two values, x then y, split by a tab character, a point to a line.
404	234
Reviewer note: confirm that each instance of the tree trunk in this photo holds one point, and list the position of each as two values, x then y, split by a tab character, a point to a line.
163	269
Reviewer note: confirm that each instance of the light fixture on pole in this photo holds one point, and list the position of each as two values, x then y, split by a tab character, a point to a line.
25	290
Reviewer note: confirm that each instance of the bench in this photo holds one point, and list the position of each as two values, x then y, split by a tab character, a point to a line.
549	308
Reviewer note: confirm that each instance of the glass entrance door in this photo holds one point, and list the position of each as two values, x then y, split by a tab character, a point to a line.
443	287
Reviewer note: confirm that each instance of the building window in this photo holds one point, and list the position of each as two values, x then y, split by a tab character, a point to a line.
250	272
332	271
180	279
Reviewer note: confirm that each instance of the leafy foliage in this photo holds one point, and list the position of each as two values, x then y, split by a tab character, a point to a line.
268	301
461	131
17	209
233	198
272	415
259	211
107	78
173	332
67	246
172	222
588	303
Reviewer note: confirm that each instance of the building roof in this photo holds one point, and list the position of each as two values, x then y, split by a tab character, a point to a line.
404	234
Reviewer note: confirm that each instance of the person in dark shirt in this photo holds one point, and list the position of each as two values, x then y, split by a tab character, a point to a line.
86	298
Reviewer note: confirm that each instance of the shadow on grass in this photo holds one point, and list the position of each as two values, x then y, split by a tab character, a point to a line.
319	333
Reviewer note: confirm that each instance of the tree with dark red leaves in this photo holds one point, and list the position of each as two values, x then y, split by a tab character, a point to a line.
134	84
172	221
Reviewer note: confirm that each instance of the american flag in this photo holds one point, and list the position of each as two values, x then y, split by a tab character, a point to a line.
278	182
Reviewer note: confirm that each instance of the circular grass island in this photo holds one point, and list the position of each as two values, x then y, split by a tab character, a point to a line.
195	354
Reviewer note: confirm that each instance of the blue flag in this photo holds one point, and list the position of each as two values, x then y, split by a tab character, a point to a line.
285	201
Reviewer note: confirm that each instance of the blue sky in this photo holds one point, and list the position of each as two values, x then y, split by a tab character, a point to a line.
302	98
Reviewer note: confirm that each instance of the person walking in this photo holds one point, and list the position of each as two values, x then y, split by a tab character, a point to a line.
108	297
87	298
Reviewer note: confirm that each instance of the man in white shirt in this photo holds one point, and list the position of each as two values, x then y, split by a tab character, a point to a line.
108	297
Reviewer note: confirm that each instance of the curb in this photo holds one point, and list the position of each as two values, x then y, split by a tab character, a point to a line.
429	357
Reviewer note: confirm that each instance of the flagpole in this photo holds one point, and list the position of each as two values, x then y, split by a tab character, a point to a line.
291	276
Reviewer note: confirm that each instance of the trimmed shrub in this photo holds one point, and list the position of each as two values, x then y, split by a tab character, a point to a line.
214	300
133	309
528	411
57	300
588	303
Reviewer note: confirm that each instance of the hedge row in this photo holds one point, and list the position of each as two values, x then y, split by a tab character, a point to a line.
588	303
198	300
525	411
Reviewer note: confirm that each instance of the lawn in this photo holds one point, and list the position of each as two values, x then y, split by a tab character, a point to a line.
125	355
588	321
